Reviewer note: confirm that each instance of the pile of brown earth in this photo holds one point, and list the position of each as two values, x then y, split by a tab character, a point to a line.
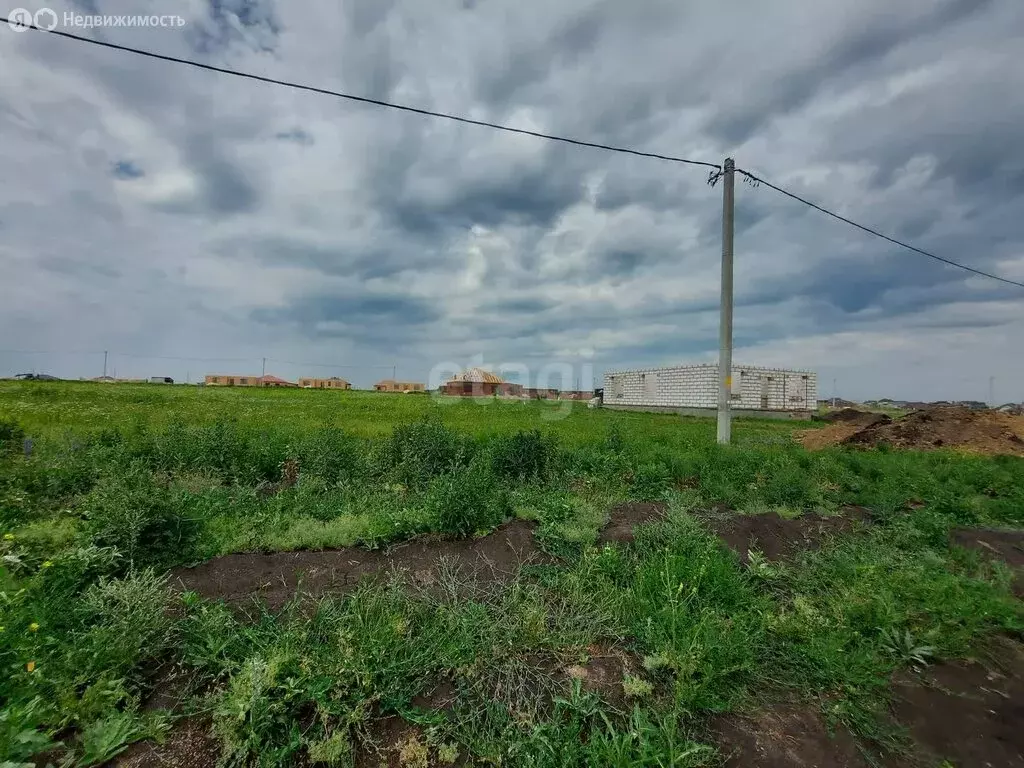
988	432
855	417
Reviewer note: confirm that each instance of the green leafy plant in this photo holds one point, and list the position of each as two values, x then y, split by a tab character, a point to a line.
905	647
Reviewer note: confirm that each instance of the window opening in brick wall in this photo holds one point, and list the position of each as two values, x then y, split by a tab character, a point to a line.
650	385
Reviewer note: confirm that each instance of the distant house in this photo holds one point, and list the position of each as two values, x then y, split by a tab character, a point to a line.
222	380
476	382
391	385
332	383
227	380
274	381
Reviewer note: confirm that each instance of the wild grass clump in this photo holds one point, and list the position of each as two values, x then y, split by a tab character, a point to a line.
418	452
138	516
11	435
466	502
523	456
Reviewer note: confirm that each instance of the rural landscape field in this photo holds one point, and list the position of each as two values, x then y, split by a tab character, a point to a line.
194	576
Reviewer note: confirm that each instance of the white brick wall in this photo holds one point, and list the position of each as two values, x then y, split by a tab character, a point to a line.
696	386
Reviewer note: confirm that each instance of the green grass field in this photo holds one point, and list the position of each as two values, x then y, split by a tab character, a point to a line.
104	489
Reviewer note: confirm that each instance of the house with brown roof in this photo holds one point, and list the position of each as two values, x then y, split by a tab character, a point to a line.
331	383
476	382
391	385
228	380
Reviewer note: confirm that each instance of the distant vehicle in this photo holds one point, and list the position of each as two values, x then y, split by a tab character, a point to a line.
161	380
36	377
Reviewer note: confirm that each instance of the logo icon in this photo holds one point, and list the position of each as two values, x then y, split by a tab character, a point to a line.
19	19
46	18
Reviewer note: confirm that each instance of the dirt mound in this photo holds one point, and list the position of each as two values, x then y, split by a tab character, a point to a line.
786	736
188	745
276	577
964	712
628	514
987	432
779	537
826	437
1007	546
858	418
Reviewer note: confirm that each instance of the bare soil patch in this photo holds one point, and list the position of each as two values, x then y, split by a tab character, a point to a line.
188	745
968	712
627	514
1007	546
826	437
779	537
987	432
276	578
393	741
785	736
169	688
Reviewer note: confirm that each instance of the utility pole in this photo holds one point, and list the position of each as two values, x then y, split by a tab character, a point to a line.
263	375
833	393
394	372
104	363
725	322
992	391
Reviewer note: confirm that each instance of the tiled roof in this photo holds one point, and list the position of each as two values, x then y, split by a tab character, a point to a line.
478	375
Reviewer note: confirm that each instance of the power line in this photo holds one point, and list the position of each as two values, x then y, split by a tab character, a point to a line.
326	365
376	102
758	180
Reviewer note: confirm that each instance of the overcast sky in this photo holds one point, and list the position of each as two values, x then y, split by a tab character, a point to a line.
155	209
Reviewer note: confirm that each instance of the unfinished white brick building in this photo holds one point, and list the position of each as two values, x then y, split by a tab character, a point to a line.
696	386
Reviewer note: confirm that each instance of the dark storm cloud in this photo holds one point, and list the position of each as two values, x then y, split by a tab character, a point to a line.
233	21
126	169
67	265
428	193
296	135
862	47
501	83
393	318
225	186
383	255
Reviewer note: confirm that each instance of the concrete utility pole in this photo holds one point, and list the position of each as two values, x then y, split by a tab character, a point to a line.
264	368
104	363
725	323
